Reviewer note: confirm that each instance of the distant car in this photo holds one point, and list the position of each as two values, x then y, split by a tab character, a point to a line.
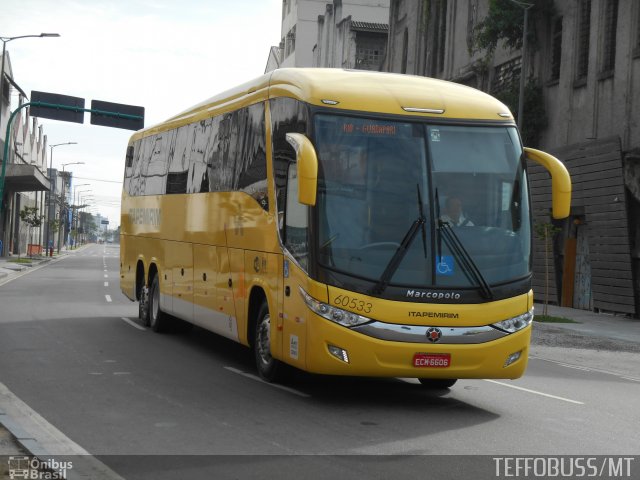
109	241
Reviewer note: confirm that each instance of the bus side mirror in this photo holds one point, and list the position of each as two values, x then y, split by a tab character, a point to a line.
307	168
560	181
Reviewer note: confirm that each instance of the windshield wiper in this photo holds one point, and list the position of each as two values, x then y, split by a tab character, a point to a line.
469	267
396	260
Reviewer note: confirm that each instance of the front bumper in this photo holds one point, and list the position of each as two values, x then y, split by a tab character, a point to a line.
370	356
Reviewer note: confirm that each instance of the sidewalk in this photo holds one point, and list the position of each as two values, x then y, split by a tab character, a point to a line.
9	267
593	325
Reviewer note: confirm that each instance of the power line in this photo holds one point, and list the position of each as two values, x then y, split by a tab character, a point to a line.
98	179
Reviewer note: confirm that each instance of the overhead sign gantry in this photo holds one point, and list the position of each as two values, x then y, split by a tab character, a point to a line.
71	109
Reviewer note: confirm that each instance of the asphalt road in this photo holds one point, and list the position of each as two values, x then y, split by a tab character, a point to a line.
72	349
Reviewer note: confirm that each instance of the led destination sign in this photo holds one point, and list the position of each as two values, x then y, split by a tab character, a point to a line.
377	129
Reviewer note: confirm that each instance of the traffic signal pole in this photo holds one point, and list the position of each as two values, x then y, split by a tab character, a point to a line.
55	106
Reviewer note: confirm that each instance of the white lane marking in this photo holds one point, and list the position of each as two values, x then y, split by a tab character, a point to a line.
122	373
275	385
106	284
133	324
588	369
575	367
535	392
107	298
106	276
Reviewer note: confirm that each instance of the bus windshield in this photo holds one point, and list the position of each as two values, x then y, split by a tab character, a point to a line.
460	192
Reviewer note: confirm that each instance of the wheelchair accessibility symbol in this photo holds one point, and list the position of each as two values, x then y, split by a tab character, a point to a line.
444	265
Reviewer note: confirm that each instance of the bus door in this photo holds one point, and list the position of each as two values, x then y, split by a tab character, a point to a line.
294	310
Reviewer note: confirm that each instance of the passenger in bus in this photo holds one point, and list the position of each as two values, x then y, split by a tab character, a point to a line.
453	213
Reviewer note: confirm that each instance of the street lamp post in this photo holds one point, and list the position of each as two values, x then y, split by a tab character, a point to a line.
523	69
64	223
52	192
6	40
77	209
84	207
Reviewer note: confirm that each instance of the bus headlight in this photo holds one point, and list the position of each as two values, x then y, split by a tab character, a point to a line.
337	315
514	324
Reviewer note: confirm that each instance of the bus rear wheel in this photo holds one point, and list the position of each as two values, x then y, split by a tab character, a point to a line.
438	383
158	320
268	367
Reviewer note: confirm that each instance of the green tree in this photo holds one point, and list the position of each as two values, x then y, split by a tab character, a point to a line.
535	114
505	21
29	215
545	232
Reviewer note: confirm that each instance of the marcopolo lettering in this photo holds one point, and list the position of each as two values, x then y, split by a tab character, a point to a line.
433	295
145	216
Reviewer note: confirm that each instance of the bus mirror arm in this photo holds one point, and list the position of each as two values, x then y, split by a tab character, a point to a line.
307	168
560	181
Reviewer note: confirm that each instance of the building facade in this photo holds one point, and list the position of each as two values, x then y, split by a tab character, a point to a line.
583	69
299	32
344	42
25	179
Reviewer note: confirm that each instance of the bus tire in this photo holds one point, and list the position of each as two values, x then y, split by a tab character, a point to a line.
158	320
438	383
268	367
143	306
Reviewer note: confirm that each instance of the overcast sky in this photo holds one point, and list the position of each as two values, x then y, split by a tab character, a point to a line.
164	55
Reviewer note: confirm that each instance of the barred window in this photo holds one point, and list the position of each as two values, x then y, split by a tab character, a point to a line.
506	75
610	30
369	51
584	33
556	48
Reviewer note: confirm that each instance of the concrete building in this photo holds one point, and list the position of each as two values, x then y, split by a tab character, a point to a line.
345	42
299	32
25	180
585	65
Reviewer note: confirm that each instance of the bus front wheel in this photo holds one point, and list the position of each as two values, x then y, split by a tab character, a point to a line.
438	383
268	367
157	318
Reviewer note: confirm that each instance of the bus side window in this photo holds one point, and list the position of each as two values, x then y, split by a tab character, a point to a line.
287	115
251	165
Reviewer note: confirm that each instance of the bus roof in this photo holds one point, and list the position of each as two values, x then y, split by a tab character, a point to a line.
389	93
358	90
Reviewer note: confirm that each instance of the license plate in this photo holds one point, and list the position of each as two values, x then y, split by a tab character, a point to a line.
432	360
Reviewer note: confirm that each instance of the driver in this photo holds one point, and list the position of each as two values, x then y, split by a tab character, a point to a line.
453	214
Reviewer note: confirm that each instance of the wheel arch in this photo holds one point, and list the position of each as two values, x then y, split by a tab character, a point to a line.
144	279
257	297
140	278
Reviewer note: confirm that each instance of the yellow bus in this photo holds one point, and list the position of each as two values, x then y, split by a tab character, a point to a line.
340	222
